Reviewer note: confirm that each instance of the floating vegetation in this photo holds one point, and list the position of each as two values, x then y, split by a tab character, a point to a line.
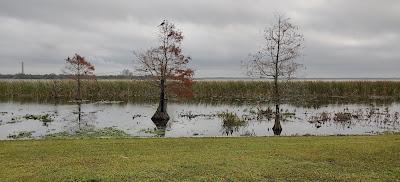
248	134
109	102
347	117
342	117
13	120
231	121
108	132
155	131
136	116
21	135
288	115
46	118
264	113
321	117
190	115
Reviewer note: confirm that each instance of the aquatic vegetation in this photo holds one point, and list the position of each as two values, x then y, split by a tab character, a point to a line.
231	121
342	117
349	117
21	135
267	113
136	116
46	118
109	102
321	117
311	93
191	115
156	132
200	119
108	132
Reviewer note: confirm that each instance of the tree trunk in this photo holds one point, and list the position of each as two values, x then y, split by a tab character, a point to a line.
276	95
161	117
277	125
78	96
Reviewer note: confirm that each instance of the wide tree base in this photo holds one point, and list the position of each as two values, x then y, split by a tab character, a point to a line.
277	129
277	125
160	119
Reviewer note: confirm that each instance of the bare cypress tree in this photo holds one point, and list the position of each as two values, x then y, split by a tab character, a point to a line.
276	59
163	63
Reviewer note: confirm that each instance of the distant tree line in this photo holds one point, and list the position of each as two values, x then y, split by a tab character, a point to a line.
66	76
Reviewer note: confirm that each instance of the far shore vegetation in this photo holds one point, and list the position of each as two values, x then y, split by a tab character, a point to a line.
209	91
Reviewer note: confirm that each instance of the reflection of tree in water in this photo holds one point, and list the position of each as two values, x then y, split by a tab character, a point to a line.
231	122
160	129
81	120
268	114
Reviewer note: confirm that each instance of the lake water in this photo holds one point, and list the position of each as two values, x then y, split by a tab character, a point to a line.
196	120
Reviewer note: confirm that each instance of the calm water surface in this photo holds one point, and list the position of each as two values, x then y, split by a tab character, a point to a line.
188	120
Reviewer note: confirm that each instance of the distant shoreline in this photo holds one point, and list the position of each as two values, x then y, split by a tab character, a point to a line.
297	79
123	77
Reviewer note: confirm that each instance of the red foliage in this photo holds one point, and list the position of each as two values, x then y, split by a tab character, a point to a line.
78	66
182	83
166	62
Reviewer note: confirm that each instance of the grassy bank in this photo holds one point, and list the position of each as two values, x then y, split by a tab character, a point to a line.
350	158
204	90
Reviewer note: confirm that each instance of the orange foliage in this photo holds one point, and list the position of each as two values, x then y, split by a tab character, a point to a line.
77	66
182	83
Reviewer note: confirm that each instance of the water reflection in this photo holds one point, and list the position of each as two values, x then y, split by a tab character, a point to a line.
84	120
189	120
161	124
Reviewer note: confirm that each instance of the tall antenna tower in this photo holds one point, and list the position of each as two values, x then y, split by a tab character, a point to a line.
22	67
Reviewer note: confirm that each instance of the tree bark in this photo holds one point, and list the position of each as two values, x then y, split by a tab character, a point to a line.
277	99
277	125
78	96
161	117
276	96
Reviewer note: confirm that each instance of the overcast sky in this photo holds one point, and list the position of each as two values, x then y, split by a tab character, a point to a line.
343	38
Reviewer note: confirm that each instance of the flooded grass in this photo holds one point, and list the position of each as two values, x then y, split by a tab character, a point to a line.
302	92
231	122
156	132
331	158
46	118
21	135
107	132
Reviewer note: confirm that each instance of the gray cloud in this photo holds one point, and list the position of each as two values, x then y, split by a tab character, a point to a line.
344	38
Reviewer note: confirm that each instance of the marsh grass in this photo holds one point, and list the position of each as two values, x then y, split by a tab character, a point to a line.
304	92
231	121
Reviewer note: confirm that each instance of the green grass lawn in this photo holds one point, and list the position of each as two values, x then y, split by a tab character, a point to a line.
331	158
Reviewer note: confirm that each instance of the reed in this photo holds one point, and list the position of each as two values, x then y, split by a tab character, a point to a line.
132	90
